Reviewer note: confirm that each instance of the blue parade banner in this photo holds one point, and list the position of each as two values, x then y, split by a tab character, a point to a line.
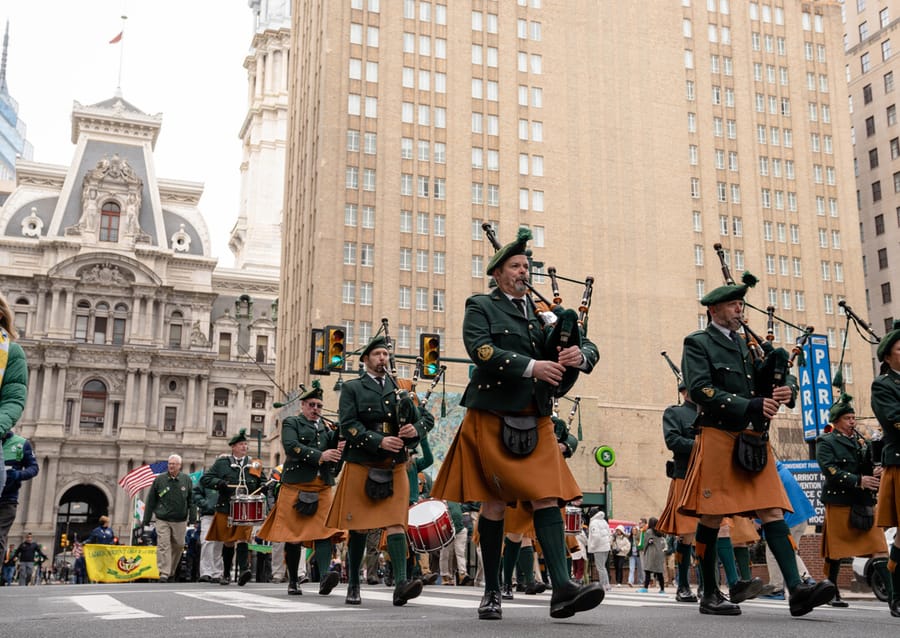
815	386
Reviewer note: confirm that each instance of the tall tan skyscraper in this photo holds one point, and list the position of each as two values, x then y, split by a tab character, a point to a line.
876	138
630	138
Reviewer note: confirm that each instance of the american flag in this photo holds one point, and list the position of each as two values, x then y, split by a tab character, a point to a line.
141	477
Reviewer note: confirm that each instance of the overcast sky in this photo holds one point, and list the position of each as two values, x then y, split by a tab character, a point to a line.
182	59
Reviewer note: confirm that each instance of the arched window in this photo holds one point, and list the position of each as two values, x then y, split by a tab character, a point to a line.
175	330
93	405
82	317
101	319
119	318
109	221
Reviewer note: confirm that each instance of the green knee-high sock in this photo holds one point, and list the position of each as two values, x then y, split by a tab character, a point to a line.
292	559
396	546
683	554
356	549
242	555
742	557
323	557
834	568
778	537
548	526
725	551
510	558
526	564
490	535
706	553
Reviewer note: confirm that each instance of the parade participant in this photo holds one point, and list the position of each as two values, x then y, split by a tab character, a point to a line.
13	374
102	534
678	432
505	449
722	380
170	502
224	475
851	482
29	554
374	488
886	406
211	569
20	466
312	460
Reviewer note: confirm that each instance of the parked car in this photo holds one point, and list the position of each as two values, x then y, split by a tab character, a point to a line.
863	572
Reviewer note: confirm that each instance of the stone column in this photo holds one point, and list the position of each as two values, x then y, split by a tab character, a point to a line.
203	401
59	404
128	409
141	417
153	422
189	410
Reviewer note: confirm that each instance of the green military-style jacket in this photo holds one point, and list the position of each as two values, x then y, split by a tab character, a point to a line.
304	442
886	406
844	460
678	432
368	414
423	461
721	380
228	469
501	342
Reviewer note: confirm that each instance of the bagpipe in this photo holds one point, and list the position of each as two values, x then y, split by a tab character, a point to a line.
563	327
870	337
404	391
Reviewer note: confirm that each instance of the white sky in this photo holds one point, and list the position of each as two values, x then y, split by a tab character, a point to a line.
182	59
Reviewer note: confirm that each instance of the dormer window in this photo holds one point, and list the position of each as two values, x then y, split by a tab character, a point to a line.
109	222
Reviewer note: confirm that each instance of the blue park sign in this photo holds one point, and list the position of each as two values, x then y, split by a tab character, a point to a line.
815	386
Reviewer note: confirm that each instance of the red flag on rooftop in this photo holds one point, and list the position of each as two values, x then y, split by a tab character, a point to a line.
117	38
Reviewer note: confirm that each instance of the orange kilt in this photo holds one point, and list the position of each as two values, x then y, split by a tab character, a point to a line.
671	521
220	531
839	540
352	509
715	486
285	525
888	508
519	520
478	467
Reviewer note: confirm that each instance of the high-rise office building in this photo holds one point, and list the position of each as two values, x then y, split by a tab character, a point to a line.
13	144
630	138
871	69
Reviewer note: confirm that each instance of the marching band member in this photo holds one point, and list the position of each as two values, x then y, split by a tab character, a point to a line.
312	456
224	475
510	393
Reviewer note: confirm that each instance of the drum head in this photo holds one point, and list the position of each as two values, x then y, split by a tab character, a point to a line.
426	512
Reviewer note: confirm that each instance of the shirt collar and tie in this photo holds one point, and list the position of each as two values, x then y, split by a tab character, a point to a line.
520	305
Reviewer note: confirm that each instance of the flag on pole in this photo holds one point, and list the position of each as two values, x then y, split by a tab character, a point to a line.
118	38
138	510
141	477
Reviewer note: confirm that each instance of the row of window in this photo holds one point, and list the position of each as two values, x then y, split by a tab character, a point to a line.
361	333
361	293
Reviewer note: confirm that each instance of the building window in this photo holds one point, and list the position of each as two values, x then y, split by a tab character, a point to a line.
169	417
175	330
220	397
886	292
879	224
348	292
404	298
365	294
93	405
367	255
109	222
882	258
437	302
224	346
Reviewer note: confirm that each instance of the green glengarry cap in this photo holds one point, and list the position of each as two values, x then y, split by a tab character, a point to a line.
314	393
841	407
889	340
377	342
730	292
511	249
240	437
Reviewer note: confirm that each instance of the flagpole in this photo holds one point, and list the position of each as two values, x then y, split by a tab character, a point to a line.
121	56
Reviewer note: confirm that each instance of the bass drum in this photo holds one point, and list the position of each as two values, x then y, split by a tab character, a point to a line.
430	526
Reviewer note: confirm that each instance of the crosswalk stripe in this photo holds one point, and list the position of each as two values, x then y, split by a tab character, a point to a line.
255	602
108	608
441	601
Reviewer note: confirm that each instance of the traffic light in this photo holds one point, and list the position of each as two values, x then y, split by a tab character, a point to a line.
63	540
430	351
317	352
336	350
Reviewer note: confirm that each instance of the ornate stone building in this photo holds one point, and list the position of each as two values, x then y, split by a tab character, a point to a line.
137	346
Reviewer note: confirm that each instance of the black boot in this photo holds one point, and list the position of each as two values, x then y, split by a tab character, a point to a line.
837	601
507	592
489	609
294	589
714	604
353	597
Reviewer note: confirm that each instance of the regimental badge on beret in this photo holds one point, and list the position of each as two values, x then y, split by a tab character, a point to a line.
832	470
709	392
485	352
353	431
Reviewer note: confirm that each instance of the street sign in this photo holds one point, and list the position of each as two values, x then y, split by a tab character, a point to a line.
815	386
605	456
809	477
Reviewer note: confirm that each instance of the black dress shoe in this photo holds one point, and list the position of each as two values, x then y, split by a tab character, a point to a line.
806	597
406	590
328	583
715	604
507	592
489	609
837	601
429	579
895	608
225	580
536	587
520	587
465	581
745	590
353	595
294	589
244	578
570	598
303	579
685	596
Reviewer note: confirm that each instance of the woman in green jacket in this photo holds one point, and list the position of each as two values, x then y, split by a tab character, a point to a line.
13	375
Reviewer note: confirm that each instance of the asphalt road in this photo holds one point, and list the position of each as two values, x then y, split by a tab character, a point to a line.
264	610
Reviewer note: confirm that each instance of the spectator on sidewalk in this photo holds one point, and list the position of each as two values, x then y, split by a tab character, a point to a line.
29	553
599	542
21	465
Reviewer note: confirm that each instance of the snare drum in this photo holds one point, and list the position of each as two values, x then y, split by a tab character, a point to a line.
430	527
573	519
247	510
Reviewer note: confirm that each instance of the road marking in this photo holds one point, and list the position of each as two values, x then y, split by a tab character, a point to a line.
108	608
255	602
219	617
440	601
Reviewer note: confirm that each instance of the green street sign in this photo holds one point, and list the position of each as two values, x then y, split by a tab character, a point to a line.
605	456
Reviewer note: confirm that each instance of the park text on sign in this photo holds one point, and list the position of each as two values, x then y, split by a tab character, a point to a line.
815	386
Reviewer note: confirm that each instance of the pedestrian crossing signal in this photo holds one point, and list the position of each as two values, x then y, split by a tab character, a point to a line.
336	349
430	351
